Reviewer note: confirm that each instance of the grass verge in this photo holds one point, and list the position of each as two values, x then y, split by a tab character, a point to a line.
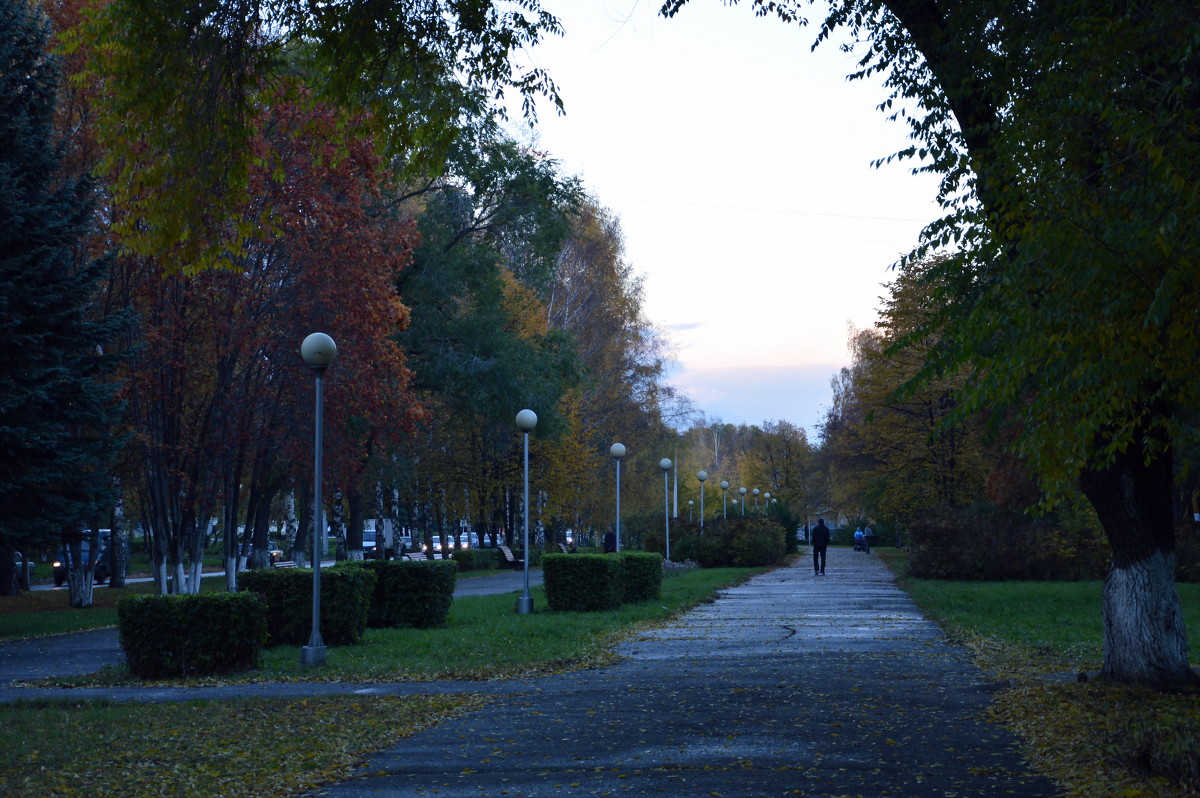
1094	738
235	748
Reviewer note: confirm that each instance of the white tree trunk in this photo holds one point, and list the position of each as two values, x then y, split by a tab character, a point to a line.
1144	637
231	583
81	586
181	586
160	578
196	571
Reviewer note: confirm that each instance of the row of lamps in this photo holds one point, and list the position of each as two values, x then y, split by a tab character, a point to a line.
318	351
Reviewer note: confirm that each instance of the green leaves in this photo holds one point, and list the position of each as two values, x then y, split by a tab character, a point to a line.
185	83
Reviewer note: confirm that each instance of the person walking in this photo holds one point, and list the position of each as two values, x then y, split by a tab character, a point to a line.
820	542
610	542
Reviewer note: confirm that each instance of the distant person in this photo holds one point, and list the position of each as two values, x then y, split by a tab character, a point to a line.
820	542
610	542
868	538
859	544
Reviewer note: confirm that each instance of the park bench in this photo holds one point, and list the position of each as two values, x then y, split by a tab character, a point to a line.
510	558
415	556
563	548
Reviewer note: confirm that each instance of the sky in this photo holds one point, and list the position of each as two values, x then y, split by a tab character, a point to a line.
739	163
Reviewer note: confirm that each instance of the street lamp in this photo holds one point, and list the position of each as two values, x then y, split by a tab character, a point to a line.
526	421
755	492
702	475
743	492
724	490
690	503
318	351
617	451
665	465
766	501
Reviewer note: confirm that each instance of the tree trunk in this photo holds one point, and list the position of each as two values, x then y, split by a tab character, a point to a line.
118	554
260	541
9	580
292	539
354	527
1145	640
81	570
336	520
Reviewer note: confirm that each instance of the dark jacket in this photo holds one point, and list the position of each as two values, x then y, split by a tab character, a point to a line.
820	535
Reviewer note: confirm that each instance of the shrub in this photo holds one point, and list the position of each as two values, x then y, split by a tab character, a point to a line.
738	542
475	559
983	541
641	576
191	635
757	544
416	594
582	582
346	592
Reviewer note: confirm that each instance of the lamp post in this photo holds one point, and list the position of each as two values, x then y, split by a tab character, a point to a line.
755	492
617	451
526	421
767	502
743	492
701	475
318	351
690	503
724	491
665	465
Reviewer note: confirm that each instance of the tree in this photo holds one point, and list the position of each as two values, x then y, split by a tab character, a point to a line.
1065	137
57	408
416	69
219	395
898	449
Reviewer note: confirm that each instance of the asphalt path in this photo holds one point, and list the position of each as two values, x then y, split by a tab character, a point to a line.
791	684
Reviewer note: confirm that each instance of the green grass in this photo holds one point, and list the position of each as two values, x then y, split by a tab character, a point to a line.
1060	620
48	612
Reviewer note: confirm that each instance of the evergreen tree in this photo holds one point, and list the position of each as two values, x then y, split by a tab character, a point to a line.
56	410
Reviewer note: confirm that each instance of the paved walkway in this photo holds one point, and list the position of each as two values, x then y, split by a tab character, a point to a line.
788	685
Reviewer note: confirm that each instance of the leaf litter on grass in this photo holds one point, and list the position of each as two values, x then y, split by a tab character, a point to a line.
251	747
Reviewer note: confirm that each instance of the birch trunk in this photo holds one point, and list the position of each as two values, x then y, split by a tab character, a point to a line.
195	574
1145	640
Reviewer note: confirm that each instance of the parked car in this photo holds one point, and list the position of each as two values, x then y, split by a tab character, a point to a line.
103	567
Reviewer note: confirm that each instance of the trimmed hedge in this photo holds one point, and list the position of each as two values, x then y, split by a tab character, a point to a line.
191	635
416	594
582	582
346	592
641	576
